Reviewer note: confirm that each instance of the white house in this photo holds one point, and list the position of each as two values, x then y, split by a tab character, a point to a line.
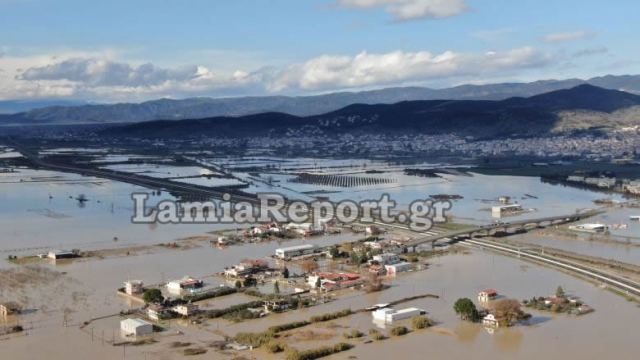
387	258
491	321
186	309
133	287
135	327
188	284
487	294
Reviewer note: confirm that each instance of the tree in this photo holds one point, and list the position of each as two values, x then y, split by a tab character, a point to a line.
334	252
508	310
276	288
560	292
152	296
374	284
250	281
285	273
466	309
238	284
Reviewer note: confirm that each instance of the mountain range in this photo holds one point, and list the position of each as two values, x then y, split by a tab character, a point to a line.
560	110
193	108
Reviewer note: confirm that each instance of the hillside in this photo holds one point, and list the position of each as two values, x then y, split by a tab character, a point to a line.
203	107
483	118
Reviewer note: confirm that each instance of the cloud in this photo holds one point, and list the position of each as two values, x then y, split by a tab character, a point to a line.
98	72
329	72
591	51
568	36
404	10
102	77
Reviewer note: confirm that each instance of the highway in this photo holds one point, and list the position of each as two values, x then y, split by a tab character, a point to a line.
469	232
618	282
607	278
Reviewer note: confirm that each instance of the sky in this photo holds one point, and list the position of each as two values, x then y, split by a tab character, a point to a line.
136	50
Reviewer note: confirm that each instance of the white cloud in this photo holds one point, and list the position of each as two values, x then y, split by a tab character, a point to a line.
100	72
568	36
411	9
100	76
364	69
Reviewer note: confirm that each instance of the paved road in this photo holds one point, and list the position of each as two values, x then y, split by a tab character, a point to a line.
610	279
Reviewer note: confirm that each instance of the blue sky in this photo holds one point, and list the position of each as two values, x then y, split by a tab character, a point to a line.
137	50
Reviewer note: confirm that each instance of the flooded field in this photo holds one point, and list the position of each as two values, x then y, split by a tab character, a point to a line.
73	309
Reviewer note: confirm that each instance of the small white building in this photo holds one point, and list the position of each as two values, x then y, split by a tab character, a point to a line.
186	309
387	258
187	284
133	287
393	269
490	321
136	327
487	295
388	315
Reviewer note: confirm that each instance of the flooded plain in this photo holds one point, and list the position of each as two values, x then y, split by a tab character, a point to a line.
39	211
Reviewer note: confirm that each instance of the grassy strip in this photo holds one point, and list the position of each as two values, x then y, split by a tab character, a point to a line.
312	354
262	338
216	313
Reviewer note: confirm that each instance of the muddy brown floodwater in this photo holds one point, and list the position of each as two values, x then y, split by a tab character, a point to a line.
59	298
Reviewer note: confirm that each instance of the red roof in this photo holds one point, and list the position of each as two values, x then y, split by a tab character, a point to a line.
339	276
255	262
490	292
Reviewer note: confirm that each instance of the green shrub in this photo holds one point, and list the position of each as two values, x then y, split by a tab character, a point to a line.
353	334
376	335
194	351
275	347
399	331
254	339
331	316
312	354
420	322
216	313
288	326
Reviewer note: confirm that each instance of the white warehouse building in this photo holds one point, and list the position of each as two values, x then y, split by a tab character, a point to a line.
388	315
288	252
136	327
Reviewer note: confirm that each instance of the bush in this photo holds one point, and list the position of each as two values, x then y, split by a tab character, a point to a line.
312	354
288	326
331	316
275	347
254	339
353	334
420	322
221	291
194	351
376	335
399	331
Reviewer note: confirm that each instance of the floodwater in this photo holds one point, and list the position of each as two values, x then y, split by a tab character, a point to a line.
37	213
